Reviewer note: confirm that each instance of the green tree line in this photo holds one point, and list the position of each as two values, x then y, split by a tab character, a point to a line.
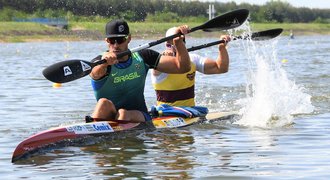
154	10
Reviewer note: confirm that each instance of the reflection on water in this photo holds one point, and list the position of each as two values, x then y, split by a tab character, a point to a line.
117	155
29	104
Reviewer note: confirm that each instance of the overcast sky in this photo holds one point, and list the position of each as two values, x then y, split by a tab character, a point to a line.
322	4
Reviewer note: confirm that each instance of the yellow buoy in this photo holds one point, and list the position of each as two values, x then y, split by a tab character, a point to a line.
284	60
57	85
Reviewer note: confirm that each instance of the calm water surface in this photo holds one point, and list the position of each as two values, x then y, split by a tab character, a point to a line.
281	88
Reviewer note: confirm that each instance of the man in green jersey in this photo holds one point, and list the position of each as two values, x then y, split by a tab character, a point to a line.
119	84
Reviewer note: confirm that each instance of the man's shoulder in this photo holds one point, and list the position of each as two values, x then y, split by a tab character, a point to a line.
195	58
150	56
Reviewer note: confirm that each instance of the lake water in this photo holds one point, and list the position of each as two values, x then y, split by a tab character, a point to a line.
281	88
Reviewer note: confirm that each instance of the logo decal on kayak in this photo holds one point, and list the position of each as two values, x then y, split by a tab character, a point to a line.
67	71
175	122
84	66
91	128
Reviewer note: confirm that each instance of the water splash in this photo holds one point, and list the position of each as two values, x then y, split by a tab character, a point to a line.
271	98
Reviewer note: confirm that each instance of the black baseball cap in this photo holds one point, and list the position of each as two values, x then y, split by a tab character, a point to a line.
116	28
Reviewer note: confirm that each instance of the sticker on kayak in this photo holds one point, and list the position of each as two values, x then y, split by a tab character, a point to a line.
92	128
175	122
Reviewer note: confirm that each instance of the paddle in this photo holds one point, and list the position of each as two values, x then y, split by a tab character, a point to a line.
256	36
70	70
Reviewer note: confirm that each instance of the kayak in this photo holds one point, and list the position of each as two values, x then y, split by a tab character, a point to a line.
79	132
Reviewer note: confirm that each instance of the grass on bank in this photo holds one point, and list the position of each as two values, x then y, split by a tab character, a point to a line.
151	28
27	31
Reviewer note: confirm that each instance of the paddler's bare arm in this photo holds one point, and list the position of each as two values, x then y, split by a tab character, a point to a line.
100	71
181	62
221	65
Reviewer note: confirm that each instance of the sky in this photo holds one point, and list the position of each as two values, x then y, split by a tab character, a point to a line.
321	4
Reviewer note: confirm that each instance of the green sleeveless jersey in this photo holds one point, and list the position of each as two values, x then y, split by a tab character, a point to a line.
124	84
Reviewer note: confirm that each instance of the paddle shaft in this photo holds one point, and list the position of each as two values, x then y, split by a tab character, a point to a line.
262	35
194	48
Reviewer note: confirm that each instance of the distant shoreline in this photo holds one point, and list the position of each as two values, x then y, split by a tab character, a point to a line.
86	31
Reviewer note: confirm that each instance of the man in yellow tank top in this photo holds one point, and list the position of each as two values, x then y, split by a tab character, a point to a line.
178	89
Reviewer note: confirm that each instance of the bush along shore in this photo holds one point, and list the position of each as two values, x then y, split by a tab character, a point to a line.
85	31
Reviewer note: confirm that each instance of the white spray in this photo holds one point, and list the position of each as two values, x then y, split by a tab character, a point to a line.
271	98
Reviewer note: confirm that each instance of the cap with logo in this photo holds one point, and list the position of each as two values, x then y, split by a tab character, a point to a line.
116	28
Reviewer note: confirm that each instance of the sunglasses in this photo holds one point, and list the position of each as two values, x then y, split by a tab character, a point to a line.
118	40
169	46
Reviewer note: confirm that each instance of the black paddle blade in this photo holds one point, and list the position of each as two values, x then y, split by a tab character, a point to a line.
66	71
229	20
265	35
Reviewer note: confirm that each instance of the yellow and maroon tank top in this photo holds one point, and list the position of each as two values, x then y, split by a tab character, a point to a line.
175	89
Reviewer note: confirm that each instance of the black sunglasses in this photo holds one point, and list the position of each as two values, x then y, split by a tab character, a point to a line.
118	40
169	46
